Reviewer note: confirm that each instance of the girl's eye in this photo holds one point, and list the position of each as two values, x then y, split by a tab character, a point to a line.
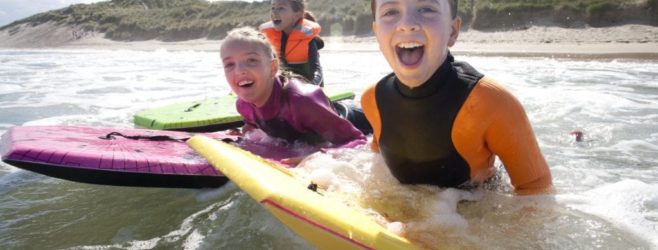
252	61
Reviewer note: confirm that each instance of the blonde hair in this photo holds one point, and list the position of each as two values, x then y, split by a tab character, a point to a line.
249	35
297	5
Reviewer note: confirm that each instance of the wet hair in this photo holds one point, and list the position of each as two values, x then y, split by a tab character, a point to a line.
453	7
309	16
297	5
300	5
249	35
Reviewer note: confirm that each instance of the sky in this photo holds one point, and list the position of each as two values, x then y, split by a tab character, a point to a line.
12	10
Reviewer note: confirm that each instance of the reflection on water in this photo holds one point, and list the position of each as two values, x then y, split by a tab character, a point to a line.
607	196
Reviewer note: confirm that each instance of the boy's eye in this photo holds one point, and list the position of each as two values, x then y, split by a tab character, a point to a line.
424	10
229	65
390	12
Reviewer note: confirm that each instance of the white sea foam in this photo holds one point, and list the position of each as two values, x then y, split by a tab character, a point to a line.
614	102
361	180
630	204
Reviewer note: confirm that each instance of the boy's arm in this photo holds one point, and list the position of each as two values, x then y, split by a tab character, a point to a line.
369	105
510	136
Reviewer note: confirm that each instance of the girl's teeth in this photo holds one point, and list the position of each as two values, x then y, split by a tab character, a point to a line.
245	83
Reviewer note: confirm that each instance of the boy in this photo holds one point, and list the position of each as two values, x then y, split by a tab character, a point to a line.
440	122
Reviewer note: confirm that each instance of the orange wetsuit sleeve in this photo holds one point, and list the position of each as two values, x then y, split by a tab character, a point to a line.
493	122
369	105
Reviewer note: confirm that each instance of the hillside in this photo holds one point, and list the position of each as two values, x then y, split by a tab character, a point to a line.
179	20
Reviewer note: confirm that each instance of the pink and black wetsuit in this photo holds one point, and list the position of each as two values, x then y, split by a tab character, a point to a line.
298	111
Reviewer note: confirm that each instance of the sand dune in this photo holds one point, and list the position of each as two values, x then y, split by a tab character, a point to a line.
628	41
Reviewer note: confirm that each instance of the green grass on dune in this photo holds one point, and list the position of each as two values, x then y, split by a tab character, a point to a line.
172	20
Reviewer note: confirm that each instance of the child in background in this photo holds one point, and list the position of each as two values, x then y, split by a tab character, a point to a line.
438	121
294	36
281	105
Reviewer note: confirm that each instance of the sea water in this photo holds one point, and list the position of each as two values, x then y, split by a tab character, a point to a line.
606	186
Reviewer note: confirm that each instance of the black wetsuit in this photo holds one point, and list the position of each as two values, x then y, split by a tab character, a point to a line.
410	148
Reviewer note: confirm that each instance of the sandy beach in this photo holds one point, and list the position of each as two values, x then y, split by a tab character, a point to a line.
621	42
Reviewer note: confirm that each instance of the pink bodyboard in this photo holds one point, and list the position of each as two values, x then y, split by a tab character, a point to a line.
121	157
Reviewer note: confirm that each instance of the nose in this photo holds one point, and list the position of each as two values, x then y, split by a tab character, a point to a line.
240	68
409	21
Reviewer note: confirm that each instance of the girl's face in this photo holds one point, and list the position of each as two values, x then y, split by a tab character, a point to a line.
283	16
249	71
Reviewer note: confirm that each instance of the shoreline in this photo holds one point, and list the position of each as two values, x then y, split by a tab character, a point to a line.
634	42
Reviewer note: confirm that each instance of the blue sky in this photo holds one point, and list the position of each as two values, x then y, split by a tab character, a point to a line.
12	10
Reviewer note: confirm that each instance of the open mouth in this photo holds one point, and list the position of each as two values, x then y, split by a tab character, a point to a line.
276	22
410	53
245	84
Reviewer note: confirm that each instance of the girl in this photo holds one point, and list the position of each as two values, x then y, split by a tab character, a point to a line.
281	105
294	36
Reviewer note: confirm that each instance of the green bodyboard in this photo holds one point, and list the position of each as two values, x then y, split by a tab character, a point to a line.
208	115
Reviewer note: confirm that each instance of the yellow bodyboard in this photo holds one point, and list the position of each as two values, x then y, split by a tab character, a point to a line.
325	222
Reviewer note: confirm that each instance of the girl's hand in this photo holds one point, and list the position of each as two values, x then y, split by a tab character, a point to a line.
293	161
234	131
247	128
241	131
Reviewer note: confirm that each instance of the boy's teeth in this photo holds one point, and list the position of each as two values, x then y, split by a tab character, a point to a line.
409	45
410	53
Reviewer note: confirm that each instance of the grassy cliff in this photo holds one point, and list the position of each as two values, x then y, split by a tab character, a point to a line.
174	20
519	14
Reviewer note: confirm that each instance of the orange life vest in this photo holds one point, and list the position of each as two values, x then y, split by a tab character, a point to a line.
297	46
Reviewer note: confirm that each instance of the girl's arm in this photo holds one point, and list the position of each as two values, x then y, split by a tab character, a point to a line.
316	114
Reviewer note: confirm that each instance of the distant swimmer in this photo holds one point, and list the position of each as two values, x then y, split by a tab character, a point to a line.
579	135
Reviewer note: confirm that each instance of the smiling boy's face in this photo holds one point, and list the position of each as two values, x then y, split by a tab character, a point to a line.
414	36
249	71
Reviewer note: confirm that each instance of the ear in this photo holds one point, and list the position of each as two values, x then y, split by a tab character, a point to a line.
454	32
374	27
